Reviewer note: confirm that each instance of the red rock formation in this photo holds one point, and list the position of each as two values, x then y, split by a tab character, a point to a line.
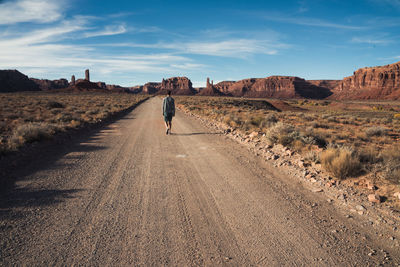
178	86
274	87
381	82
84	85
151	88
210	90
87	75
102	85
329	84
223	86
15	81
46	85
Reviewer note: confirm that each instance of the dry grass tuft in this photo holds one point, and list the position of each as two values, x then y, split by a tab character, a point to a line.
281	133
375	131
28	133
391	159
341	162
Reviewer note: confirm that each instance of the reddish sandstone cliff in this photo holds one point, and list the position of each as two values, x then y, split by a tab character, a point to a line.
381	82
273	87
178	86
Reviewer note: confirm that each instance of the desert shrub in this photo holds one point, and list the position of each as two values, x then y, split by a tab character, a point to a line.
256	121
28	133
311	138
391	160
281	133
54	104
269	120
341	162
332	119
369	155
64	117
375	131
397	116
312	156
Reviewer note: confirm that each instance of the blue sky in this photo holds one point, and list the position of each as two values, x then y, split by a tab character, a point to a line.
133	42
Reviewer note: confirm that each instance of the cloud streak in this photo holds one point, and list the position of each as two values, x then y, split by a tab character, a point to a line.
370	40
107	31
39	11
235	48
311	22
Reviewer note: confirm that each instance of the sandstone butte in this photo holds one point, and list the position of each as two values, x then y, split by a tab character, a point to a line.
178	86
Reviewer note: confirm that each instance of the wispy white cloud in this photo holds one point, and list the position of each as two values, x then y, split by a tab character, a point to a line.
311	22
108	30
371	40
228	48
40	11
390	58
235	48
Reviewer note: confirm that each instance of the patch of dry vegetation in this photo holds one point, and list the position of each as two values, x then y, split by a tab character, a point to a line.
341	162
348	138
31	117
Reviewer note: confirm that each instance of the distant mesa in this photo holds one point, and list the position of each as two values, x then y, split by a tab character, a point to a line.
46	85
15	81
272	87
177	85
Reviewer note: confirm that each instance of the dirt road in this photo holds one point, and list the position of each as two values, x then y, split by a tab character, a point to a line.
130	195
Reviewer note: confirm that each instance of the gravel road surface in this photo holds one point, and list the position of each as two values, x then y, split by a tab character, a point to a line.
128	194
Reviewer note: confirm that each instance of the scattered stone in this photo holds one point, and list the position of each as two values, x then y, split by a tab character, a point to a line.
371	186
301	164
289	153
397	195
374	198
317	190
329	200
275	157
391	238
253	134
360	208
330	183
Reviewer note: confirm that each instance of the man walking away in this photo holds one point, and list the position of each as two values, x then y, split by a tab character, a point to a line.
168	111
